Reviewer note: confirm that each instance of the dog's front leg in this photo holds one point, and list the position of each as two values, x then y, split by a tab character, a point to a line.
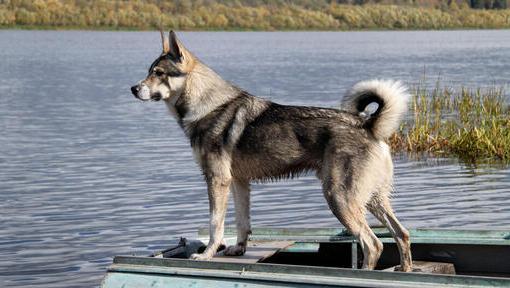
241	191
218	187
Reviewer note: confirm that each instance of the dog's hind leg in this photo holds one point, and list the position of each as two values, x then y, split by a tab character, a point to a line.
218	179
380	206
349	207
241	191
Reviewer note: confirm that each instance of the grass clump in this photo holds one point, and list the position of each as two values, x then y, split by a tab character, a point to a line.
471	124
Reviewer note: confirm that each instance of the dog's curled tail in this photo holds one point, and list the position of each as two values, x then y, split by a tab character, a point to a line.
391	97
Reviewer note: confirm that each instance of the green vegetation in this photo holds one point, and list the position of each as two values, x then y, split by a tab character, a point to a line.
254	14
473	125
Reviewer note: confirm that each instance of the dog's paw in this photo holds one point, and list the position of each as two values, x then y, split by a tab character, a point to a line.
407	268
235	250
200	256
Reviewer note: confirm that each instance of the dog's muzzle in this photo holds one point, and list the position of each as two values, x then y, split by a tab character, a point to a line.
141	92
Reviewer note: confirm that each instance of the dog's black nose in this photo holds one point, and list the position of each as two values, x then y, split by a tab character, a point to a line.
135	89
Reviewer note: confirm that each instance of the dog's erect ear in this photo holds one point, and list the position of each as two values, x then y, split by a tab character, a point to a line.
175	47
164	41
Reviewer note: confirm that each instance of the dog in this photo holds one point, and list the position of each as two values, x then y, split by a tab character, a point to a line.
238	138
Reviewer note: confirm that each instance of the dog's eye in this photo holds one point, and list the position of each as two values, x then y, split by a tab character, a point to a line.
158	72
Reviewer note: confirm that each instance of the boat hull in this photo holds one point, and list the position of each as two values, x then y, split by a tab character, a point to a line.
323	258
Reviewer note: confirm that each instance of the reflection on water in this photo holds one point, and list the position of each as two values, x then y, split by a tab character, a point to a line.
88	172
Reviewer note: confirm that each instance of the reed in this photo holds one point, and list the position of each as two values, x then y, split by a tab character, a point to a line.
471	124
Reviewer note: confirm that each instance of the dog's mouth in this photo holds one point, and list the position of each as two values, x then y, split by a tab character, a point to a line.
156	97
153	98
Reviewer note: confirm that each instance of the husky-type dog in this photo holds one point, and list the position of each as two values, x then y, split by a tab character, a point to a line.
237	138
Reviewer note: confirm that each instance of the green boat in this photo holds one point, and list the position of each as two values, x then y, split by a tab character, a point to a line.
324	257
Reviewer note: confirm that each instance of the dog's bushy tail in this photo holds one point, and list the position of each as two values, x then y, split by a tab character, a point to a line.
391	97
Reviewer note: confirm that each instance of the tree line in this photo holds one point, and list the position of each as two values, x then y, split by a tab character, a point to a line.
254	14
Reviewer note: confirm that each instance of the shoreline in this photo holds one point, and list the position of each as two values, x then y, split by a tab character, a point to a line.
247	15
131	29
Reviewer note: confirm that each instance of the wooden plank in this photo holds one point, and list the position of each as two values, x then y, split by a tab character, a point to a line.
256	251
428	267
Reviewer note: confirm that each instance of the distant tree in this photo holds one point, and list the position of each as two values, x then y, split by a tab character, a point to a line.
500	4
489	4
477	4
453	5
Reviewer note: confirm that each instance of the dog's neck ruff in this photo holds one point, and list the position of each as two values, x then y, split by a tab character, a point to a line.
203	92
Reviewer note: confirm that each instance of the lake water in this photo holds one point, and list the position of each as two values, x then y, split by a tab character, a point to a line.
88	172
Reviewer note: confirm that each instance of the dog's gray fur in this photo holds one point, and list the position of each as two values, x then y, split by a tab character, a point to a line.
238	138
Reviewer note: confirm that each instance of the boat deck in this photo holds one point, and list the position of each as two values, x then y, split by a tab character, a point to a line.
257	251
325	257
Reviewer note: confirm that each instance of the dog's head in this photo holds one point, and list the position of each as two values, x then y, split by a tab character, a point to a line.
167	74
